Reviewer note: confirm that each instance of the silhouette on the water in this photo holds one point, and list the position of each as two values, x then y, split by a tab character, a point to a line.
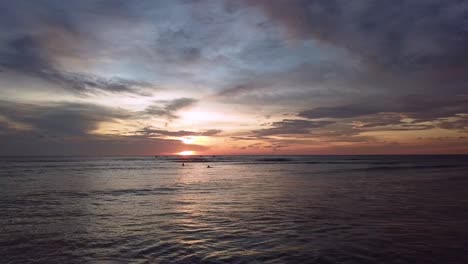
208	166
183	164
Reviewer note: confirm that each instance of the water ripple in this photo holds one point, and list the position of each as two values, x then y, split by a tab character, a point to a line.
263	210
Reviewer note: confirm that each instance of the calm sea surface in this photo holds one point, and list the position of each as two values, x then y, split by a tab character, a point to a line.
245	209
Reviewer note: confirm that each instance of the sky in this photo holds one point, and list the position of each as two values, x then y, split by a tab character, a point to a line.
147	77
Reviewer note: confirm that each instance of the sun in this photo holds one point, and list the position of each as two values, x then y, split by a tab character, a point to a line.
186	153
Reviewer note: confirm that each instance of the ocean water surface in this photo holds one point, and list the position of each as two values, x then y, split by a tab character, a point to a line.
245	209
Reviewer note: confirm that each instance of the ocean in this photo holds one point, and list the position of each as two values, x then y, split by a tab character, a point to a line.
244	209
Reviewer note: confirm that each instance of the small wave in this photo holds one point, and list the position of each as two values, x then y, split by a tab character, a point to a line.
386	168
275	159
146	191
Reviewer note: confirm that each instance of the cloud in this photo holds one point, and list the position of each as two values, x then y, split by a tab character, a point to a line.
210	132
406	58
25	55
237	89
60	119
68	129
303	77
291	127
354	71
27	144
170	107
379	120
341	111
242	138
404	36
459	123
154	132
416	107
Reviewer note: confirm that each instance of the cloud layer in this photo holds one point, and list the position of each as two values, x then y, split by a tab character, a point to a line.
253	76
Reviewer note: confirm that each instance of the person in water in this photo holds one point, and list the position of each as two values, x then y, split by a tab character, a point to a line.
183	164
208	166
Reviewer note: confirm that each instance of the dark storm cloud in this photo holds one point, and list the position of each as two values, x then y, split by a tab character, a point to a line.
170	107
291	126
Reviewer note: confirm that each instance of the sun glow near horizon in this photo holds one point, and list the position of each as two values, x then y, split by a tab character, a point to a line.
186	153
